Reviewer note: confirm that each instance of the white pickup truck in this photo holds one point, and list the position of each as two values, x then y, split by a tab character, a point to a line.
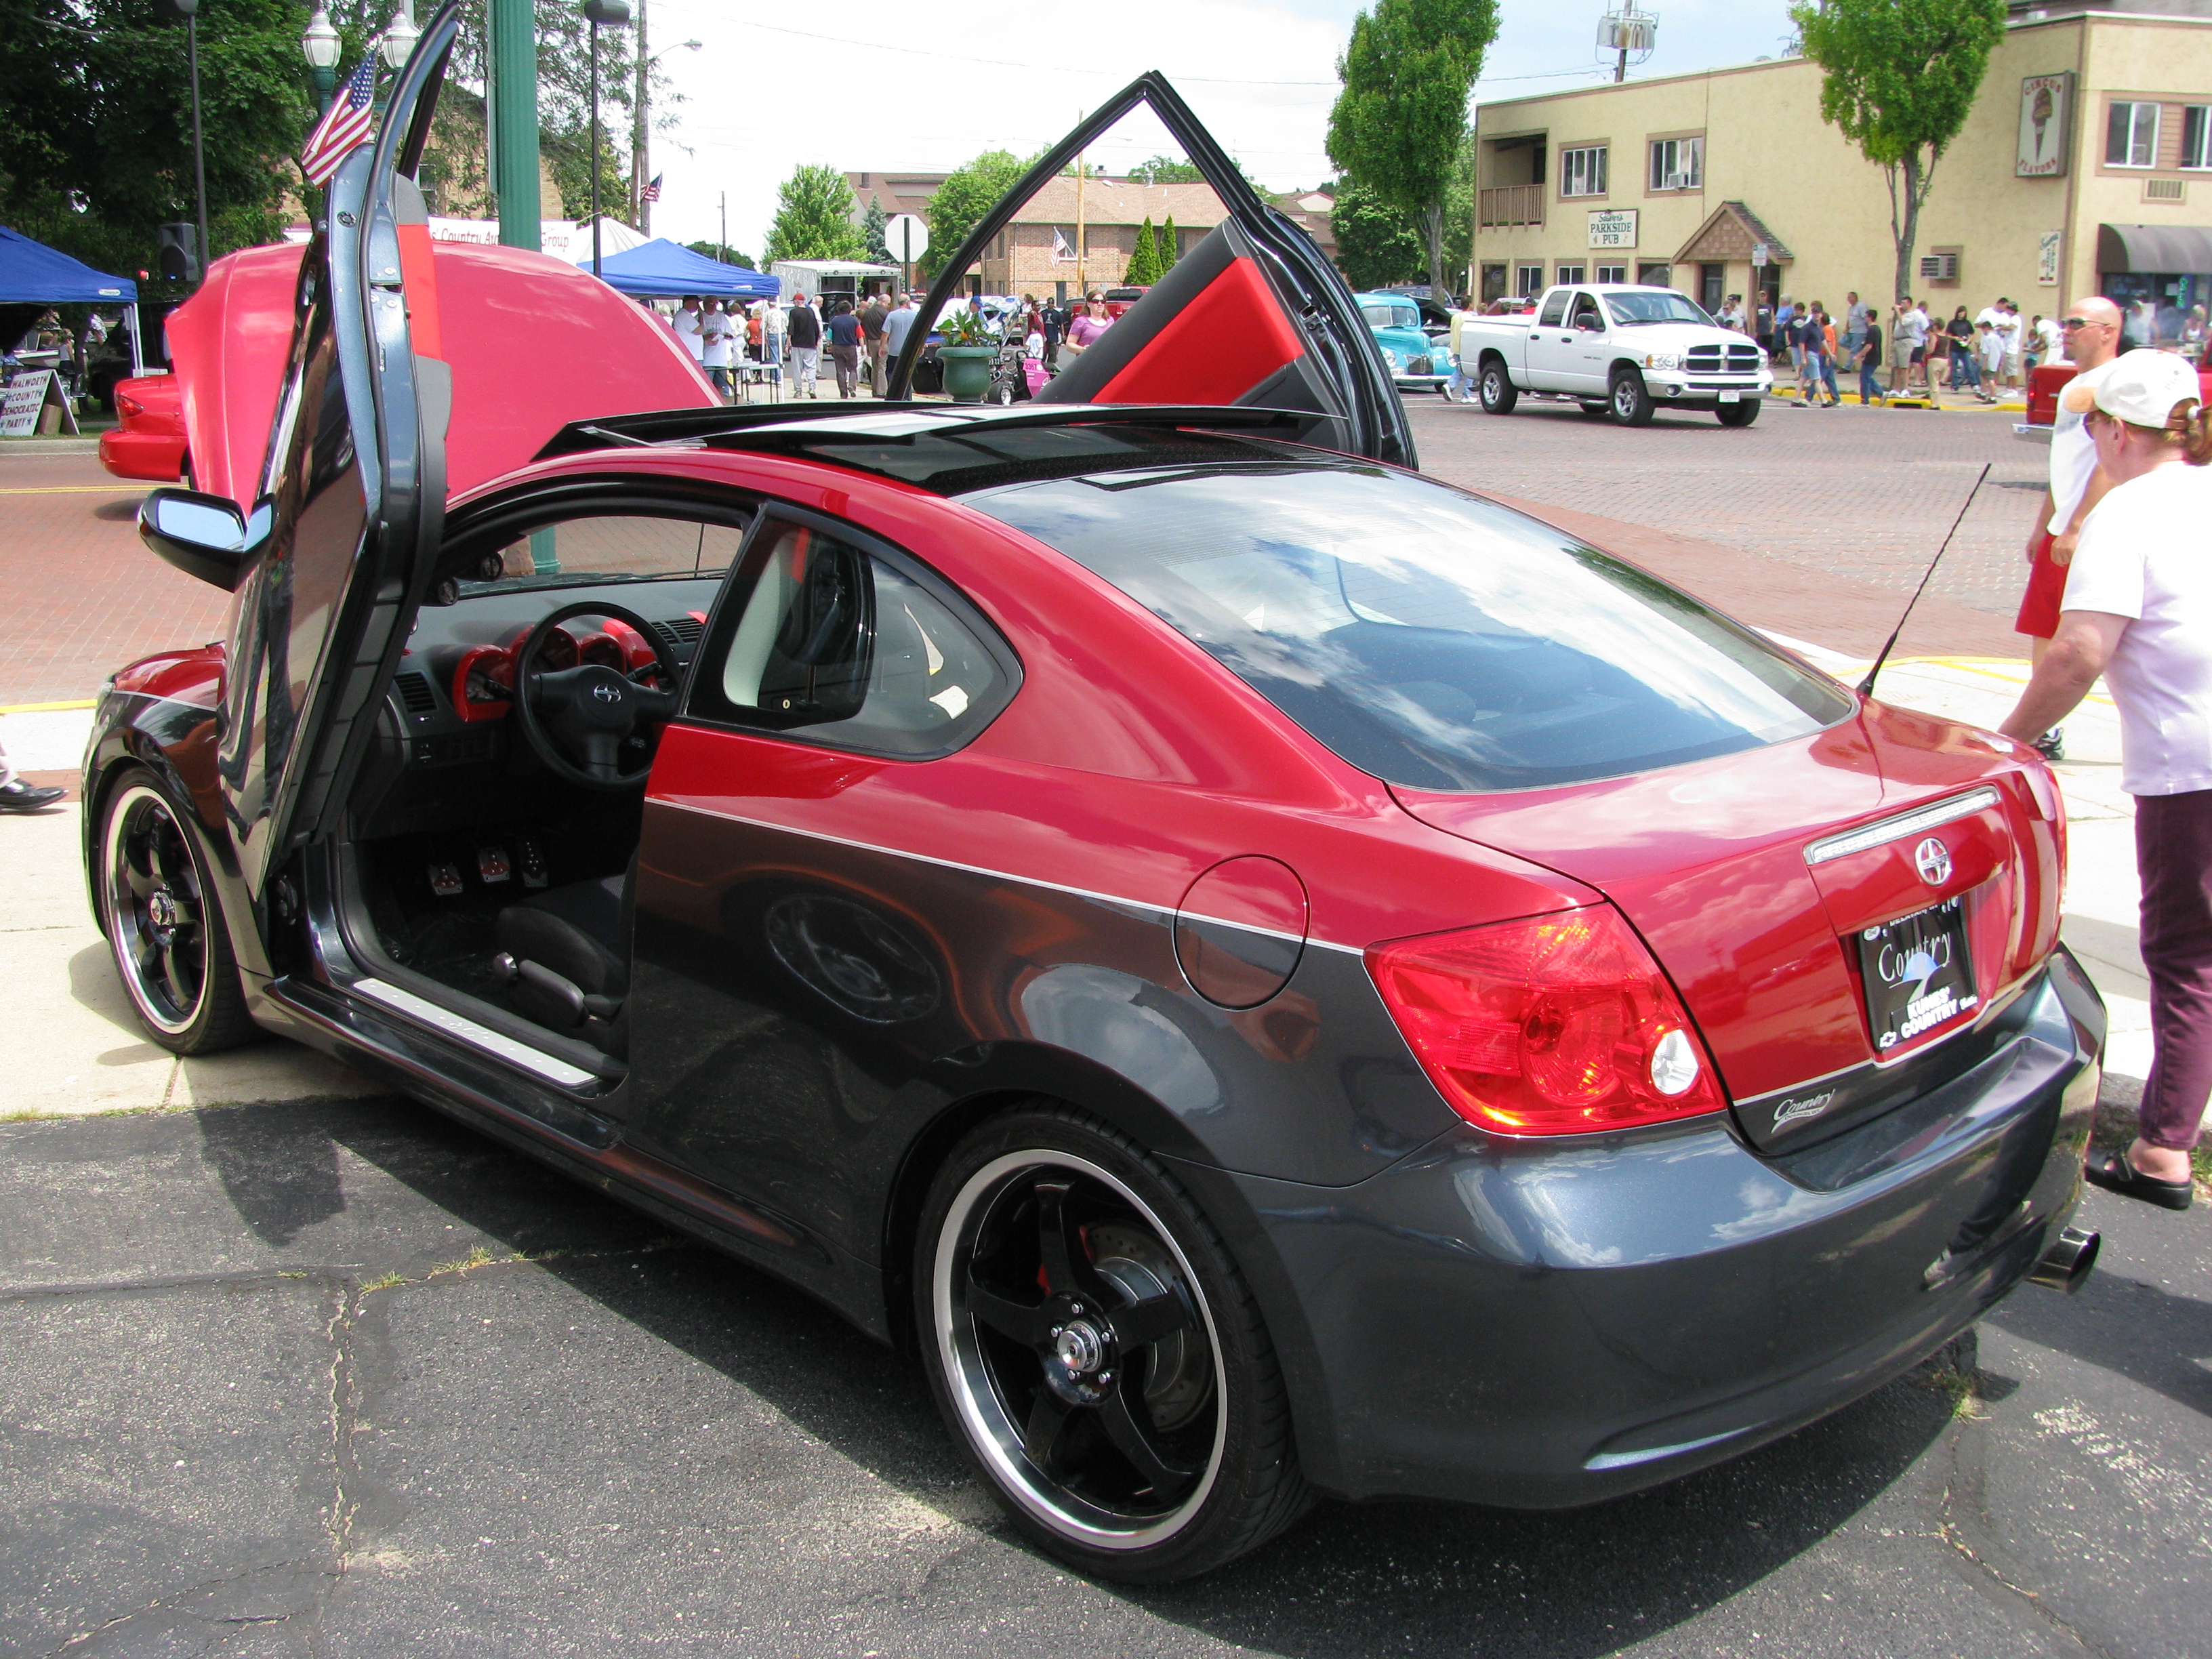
1617	349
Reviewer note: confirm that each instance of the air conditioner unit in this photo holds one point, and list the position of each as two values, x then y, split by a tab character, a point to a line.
1939	268
1678	181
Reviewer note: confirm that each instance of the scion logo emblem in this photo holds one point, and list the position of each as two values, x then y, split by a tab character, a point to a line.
1933	859
606	693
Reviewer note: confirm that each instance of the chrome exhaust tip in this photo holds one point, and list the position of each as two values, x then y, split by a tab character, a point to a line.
2065	1266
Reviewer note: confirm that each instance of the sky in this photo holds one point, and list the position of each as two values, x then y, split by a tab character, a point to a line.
878	89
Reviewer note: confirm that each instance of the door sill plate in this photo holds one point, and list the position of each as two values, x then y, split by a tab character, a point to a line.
477	1036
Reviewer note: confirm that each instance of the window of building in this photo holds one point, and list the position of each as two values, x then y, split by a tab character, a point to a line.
1679	163
1581	171
1529	282
1570	273
2131	135
1655	276
2196	136
1613	273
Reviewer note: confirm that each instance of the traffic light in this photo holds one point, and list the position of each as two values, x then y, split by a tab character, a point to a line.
177	253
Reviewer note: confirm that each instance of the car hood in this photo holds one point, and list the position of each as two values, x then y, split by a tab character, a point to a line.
1675	336
1709	861
544	344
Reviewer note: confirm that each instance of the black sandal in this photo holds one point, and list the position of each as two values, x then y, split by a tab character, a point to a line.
2112	1172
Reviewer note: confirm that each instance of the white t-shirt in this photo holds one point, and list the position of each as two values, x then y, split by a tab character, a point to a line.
714	331
1992	348
686	325
2047	331
2073	462
2142	556
2008	330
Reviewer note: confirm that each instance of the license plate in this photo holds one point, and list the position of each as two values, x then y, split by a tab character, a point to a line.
1916	972
1731	397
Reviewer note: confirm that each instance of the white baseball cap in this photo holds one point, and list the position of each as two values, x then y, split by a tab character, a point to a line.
2140	387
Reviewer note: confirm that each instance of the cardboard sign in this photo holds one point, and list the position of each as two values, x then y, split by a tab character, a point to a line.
27	399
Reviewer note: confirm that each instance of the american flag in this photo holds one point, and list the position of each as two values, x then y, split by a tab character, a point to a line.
652	192
346	125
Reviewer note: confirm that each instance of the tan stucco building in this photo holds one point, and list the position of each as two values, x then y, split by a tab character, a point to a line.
2085	167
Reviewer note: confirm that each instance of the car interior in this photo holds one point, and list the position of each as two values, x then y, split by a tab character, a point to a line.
492	846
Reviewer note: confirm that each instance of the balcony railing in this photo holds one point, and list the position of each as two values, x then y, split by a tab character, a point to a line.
1512	204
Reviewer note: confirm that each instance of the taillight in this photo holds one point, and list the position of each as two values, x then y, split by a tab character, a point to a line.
1554	1024
129	405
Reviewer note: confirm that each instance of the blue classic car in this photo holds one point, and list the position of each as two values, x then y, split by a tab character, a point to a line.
1417	363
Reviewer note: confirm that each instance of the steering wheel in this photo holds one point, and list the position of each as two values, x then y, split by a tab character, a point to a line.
591	710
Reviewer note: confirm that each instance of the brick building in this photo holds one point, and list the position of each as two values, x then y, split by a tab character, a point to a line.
1041	250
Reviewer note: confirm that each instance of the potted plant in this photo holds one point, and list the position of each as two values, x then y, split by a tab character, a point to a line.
967	354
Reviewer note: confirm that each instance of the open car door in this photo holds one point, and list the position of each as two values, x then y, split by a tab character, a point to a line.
345	532
1254	315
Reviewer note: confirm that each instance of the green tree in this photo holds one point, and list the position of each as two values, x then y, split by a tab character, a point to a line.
95	130
1166	170
1900	79
871	232
723	252
1144	268
1168	247
1377	244
814	218
1396	126
960	202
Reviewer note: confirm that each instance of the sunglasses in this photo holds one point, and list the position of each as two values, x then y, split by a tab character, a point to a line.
2082	322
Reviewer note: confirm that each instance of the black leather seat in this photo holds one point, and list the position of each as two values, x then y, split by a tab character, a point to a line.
580	933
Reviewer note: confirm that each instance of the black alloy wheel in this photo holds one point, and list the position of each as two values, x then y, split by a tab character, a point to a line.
164	923
1631	398
1096	1352
1495	389
1743	414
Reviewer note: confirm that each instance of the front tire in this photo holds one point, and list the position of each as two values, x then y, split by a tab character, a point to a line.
1097	1353
1495	389
1743	414
164	922
1631	398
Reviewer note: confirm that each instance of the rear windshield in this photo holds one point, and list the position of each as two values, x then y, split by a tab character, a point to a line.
1429	638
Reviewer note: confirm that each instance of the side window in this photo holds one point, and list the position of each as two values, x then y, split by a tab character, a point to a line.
1587	314
1555	310
829	639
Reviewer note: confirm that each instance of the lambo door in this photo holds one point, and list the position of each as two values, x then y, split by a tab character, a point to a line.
352	492
1254	315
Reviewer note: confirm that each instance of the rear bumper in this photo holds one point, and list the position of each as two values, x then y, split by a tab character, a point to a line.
1537	1326
158	456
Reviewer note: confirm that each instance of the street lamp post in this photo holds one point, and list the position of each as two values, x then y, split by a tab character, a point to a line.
188	11
613	14
319	46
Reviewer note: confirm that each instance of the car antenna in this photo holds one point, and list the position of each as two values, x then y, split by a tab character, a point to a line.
1866	685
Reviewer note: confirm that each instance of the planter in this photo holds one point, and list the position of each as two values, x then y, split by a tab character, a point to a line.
967	371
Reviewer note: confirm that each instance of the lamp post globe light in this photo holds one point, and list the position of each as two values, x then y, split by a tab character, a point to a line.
610	14
319	46
400	36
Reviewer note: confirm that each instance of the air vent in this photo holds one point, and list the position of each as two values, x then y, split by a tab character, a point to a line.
2163	190
684	631
416	693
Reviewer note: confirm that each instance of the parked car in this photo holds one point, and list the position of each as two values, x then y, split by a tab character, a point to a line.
1119	299
1619	348
1416	362
1270	974
149	443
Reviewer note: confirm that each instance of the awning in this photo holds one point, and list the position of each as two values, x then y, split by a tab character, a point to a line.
2175	248
660	268
34	274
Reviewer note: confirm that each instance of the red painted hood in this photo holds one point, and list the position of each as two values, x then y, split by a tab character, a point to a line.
534	343
1708	861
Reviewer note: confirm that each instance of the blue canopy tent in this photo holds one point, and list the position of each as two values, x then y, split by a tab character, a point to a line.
33	273
660	267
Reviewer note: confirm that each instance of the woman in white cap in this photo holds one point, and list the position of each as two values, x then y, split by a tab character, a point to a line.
2138	611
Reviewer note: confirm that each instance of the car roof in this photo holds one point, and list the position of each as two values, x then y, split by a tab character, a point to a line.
957	449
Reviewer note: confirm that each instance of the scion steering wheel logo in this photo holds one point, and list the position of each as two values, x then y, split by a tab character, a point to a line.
611	693
1933	859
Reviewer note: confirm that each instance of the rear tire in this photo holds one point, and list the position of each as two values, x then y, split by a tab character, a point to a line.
165	926
1630	400
1097	1353
1743	414
1496	390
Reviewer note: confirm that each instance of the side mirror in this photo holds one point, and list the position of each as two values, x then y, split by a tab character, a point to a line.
203	536
1589	325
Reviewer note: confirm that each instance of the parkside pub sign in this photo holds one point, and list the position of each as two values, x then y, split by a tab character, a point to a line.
1615	229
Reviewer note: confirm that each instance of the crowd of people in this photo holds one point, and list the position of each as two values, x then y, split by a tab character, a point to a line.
864	333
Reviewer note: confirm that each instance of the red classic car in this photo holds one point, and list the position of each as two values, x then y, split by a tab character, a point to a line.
150	442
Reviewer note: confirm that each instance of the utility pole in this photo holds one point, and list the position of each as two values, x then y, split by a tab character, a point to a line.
191	11
514	121
725	254
1082	236
640	210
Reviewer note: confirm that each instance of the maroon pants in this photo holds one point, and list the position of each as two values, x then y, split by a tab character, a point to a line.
2174	856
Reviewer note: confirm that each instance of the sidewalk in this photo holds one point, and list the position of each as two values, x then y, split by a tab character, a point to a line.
76	1049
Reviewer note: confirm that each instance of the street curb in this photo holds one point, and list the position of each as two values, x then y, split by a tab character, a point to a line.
48	445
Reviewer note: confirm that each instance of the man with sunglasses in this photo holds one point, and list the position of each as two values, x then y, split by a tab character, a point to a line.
2091	329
